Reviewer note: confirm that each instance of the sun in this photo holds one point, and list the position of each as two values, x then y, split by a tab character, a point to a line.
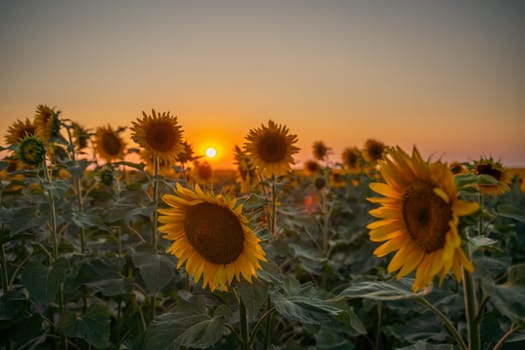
211	152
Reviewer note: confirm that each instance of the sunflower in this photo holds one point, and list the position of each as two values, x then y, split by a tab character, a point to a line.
47	122
319	150
211	235
80	136
187	154
159	134
373	151
458	168
109	145
487	166
246	175
166	169
419	218
311	167
203	172
31	151
271	148
351	158
18	130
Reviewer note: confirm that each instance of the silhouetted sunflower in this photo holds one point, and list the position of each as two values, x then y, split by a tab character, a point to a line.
311	167
159	134
419	218
109	145
271	148
211	235
246	174
320	150
487	166
202	172
351	158
373	150
80	136
18	130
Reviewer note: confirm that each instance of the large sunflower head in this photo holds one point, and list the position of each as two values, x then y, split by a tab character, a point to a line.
160	134
47	122
18	130
211	235
271	148
373	150
320	150
418	218
109	145
487	166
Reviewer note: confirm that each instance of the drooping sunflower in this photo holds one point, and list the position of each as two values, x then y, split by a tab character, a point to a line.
320	150
373	150
109	145
211	236
246	172
47	122
160	134
18	130
271	148
487	166
80	136
418	218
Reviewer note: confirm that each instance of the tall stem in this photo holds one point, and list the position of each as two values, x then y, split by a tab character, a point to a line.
156	201
273	223
80	203
5	279
52	210
447	322
243	324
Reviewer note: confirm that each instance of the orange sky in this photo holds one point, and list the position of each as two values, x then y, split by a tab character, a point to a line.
447	76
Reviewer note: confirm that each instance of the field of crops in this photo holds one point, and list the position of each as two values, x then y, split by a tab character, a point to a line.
376	249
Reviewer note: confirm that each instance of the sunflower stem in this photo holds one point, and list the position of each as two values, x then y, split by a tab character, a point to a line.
52	210
5	279
471	307
156	201
447	322
273	223
243	320
506	336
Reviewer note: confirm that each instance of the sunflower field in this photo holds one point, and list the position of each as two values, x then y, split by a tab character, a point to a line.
380	249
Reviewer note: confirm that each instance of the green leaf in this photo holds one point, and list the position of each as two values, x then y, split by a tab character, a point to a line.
87	221
155	269
253	295
93	326
303	303
508	297
112	287
392	290
422	345
188	325
517	274
43	282
511	212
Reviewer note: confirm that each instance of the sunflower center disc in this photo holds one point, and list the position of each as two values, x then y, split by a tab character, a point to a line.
487	169
111	144
426	216
272	147
214	232
161	137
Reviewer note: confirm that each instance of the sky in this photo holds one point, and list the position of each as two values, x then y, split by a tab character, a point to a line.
446	76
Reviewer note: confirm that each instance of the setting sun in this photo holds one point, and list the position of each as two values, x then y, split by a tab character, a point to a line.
211	152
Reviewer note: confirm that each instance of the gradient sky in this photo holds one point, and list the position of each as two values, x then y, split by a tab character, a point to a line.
447	76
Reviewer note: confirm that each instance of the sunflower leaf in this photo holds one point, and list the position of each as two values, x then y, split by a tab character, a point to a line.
43	282
155	269
392	290
186	326
253	295
511	212
93	326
